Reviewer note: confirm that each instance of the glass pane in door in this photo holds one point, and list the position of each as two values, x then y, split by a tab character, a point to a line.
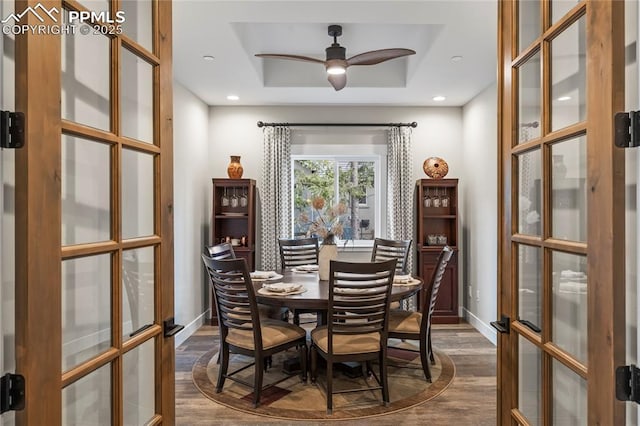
137	194
86	191
570	304
569	76
569	397
529	22
560	7
530	381
530	284
139	384
569	189
96	5
88	400
138	24
529	99
136	92
138	278
86	91
530	193
86	308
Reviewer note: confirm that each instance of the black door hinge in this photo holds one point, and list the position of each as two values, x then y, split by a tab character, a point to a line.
627	129
628	383
503	325
12	390
11	129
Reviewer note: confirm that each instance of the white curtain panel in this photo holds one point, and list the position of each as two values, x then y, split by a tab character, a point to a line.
400	188
275	194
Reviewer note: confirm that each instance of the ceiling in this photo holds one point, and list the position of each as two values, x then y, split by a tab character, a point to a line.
234	31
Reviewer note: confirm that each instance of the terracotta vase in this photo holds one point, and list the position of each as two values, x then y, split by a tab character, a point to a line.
435	167
235	168
327	253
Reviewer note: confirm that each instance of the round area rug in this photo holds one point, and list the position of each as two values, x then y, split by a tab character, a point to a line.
294	399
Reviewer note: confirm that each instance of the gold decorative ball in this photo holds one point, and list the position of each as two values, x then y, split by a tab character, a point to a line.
435	167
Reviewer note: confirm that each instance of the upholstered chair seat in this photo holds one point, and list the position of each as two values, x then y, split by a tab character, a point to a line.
346	343
405	321
274	333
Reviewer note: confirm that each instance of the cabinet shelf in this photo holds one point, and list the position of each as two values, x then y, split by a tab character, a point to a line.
224	216
439	216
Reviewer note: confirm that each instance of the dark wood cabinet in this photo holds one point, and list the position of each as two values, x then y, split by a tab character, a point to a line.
233	218
437	225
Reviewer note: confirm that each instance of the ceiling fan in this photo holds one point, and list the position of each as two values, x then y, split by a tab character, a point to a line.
336	64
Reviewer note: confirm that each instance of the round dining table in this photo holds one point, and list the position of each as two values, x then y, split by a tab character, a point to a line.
316	296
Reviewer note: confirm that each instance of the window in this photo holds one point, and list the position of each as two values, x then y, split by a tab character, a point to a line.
350	188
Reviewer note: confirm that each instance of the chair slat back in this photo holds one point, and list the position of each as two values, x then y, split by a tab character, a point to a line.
302	251
392	249
359	295
434	286
221	251
234	295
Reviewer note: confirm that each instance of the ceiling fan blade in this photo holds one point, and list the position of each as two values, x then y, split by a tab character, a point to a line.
338	81
376	56
289	57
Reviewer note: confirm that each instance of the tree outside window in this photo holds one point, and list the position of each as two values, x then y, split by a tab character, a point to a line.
350	181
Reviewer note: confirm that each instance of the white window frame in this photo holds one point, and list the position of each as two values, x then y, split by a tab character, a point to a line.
377	160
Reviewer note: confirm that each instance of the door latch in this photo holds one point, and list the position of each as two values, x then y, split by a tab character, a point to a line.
11	129
503	325
627	129
12	391
171	328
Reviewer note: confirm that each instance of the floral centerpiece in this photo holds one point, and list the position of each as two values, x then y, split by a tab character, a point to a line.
327	220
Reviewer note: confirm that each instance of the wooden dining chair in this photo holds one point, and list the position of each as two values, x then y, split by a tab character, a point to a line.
297	252
409	325
242	330
392	249
356	329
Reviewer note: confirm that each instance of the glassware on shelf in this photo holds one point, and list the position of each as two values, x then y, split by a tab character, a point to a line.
234	199
427	200
244	200
225	198
432	239
435	201
444	200
441	239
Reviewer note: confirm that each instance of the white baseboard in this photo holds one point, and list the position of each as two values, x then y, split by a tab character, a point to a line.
190	328
485	329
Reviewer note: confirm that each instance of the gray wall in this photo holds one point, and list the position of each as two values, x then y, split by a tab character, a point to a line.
479	213
192	183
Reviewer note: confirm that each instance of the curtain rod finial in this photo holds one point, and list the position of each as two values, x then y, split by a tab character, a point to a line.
260	124
414	124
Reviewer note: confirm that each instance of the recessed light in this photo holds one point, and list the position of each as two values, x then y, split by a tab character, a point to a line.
439	98
233	97
208	58
564	98
456	58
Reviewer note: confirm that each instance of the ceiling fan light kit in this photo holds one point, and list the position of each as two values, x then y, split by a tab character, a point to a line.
335	62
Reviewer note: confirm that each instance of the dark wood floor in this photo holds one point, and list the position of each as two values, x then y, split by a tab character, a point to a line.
470	400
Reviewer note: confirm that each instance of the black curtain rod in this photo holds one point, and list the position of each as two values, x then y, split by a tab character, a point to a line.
414	124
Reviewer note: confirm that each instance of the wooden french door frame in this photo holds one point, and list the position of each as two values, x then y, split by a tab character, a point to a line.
605	209
38	219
